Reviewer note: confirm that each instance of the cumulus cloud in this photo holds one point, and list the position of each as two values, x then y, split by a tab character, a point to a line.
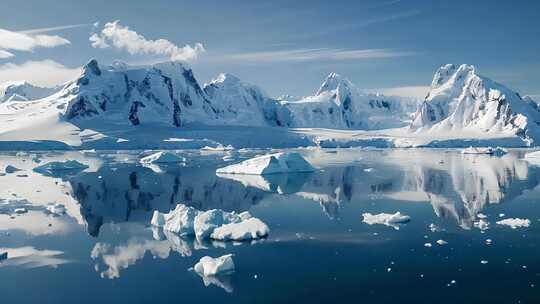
20	41
42	73
115	35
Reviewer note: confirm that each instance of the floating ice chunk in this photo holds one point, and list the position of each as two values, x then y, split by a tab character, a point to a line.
442	242
368	170
489	241
121	140
217	148
483	262
249	229
481	224
162	157
216	224
387	219
50	168
208	266
481	216
434	228
20	210
180	220
270	164
11	169
427	245
515	223
57	209
489	150
206	222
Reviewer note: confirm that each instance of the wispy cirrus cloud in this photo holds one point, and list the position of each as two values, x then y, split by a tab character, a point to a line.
299	55
54	28
19	41
114	35
42	73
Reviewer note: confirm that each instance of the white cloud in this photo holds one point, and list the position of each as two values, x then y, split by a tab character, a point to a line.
408	91
309	55
114	35
18	41
42	73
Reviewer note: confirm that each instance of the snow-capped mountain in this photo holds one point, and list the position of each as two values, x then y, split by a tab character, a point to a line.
340	104
241	103
163	93
23	91
462	100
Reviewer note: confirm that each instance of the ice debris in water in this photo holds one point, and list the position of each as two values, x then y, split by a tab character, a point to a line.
515	223
481	224
208	266
215	224
270	164
20	210
483	262
442	242
427	245
391	220
489	150
162	157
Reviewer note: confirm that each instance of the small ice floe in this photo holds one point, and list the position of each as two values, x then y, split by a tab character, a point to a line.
162	157
217	148
20	210
515	223
434	228
56	209
489	151
215	224
208	266
481	216
121	140
428	245
483	262
269	164
368	170
501	214
481	224
52	167
11	169
441	242
489	241
391	220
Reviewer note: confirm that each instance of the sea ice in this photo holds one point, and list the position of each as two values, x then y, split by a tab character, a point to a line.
206	222
208	266
515	222
270	164
180	220
387	219
20	210
57	209
162	157
442	242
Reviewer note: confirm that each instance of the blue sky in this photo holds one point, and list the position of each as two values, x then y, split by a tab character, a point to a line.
286	47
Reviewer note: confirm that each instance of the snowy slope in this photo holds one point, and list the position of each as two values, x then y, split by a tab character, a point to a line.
462	100
340	104
23	91
240	103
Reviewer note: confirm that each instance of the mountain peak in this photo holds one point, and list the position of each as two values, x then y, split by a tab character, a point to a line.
333	82
451	74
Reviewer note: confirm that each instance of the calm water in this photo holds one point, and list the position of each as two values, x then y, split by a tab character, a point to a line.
319	250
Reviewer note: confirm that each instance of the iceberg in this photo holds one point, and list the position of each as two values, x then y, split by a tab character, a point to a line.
269	164
515	223
208	266
252	228
180	220
52	167
162	157
215	224
391	220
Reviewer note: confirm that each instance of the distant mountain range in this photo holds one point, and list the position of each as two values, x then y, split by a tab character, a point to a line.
169	96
